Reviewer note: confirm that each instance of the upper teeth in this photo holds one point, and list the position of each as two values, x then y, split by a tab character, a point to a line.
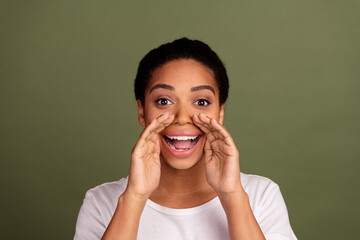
182	137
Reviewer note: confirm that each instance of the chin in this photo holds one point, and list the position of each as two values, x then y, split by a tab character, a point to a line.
181	164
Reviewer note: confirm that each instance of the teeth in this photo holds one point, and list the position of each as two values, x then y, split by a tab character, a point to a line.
183	138
180	150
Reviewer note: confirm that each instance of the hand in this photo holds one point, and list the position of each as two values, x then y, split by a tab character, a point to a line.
145	165
221	156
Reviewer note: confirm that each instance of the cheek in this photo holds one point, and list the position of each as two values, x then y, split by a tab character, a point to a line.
151	113
214	113
149	118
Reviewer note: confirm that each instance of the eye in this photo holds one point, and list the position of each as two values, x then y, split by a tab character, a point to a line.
202	102
163	101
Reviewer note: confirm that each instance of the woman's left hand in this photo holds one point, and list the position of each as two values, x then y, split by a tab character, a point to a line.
221	157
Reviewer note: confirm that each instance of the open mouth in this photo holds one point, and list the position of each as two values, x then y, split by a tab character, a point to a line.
182	143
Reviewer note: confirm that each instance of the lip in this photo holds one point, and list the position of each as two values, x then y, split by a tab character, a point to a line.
186	132
181	132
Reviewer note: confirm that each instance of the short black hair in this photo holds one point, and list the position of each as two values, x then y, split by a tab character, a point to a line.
183	48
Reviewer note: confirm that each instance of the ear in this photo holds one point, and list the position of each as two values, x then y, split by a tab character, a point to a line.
221	118
141	117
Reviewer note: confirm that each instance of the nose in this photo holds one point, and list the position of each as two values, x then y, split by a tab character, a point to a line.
183	115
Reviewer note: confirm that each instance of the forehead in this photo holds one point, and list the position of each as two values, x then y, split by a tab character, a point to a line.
183	73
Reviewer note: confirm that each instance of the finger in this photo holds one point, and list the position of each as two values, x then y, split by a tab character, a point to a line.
212	152
163	122
157	123
220	129
156	126
152	140
204	123
157	147
208	151
216	130
160	124
201	123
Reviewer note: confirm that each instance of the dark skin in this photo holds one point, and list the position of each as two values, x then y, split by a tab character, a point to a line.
177	101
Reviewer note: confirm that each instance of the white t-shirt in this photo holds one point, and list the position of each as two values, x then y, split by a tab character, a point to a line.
204	222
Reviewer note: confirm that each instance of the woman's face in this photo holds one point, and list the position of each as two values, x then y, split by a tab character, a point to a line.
182	88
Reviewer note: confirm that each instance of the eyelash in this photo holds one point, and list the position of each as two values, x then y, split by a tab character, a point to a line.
162	99
206	102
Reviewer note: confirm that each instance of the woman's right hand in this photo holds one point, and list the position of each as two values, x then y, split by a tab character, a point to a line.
144	178
145	164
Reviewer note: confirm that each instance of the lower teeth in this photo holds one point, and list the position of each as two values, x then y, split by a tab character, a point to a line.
193	143
180	150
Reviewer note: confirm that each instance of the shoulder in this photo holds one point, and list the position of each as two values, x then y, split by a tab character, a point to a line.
268	206
253	182
97	209
261	190
107	192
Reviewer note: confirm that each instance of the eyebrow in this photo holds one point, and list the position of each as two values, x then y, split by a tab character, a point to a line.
201	87
168	87
197	88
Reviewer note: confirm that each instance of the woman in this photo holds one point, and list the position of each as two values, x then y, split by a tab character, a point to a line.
184	180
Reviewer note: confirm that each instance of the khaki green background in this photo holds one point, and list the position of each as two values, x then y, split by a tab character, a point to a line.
69	119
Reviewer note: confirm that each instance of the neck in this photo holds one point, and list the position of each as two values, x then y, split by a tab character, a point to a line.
183	188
